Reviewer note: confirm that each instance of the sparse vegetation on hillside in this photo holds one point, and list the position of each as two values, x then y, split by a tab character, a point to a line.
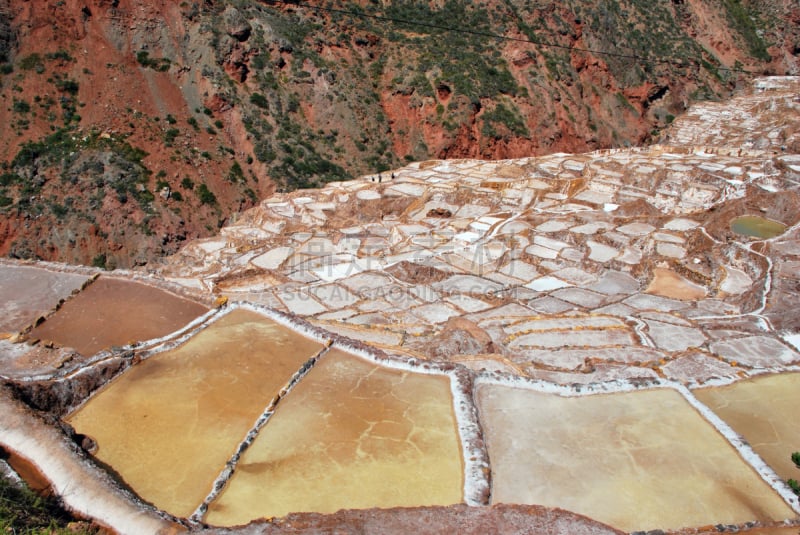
744	22
414	49
507	118
295	95
464	61
68	175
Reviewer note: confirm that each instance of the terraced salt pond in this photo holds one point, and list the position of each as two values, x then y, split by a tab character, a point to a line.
757	227
28	292
115	312
169	424
614	457
667	283
566	286
351	434
764	411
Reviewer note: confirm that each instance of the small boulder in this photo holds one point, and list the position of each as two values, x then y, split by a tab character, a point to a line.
86	442
439	212
461	336
236	25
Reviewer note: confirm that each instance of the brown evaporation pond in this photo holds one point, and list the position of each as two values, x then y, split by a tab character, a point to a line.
350	435
27	293
114	312
636	461
764	411
667	283
169	424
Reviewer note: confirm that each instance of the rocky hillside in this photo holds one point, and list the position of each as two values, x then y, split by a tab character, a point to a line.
129	127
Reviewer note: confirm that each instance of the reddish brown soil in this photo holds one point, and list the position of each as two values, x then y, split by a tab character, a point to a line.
118	96
462	519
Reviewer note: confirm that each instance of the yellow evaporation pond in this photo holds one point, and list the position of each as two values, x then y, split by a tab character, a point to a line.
636	461
764	411
169	424
350	435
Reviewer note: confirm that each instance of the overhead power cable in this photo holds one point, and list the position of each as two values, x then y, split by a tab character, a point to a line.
546	44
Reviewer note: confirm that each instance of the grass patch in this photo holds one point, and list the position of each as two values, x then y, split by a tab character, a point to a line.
24	511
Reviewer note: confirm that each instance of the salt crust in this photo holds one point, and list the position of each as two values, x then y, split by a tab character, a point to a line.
618	387
793	339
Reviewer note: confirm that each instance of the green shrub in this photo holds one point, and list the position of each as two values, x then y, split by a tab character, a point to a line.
303	167
30	62
99	261
59	54
170	135
20	106
236	174
264	152
59	210
206	195
259	100
293	104
158	64
144	197
67	86
793	484
6	179
61	149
